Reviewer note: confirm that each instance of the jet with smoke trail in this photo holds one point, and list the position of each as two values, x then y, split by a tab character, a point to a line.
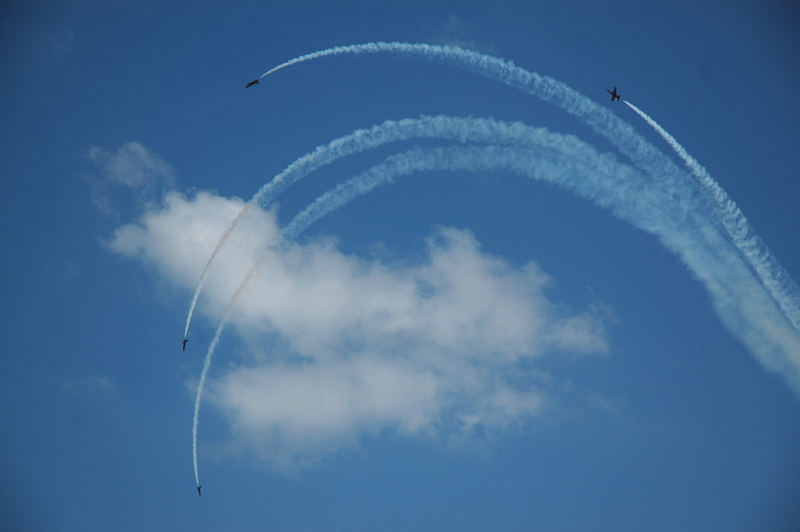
746	311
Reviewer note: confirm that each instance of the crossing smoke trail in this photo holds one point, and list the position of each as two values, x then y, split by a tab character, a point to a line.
568	162
774	277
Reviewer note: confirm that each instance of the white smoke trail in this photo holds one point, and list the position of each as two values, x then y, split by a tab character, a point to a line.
740	301
559	159
207	365
774	277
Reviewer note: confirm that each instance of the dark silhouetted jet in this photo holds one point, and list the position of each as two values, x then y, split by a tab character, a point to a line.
198	491
184	343
614	95
254	82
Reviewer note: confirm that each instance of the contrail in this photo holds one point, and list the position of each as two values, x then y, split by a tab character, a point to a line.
774	277
746	310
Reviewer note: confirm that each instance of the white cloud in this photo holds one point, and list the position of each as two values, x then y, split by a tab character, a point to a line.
433	350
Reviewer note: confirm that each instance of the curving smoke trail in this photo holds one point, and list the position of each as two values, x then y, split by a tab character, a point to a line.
201	385
774	277
207	364
748	312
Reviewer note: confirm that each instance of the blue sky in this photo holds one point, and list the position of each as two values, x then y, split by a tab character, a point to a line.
462	350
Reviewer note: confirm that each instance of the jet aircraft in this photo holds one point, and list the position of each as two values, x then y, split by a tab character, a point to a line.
614	95
198	491
184	343
250	84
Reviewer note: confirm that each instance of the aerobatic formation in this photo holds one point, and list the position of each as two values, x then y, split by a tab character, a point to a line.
689	213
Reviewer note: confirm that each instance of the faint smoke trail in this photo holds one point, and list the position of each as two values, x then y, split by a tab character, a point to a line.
776	280
204	274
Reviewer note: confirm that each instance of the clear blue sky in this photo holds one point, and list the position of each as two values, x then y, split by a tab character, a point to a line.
612	398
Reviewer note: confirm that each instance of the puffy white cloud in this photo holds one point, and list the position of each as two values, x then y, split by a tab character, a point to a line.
434	349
